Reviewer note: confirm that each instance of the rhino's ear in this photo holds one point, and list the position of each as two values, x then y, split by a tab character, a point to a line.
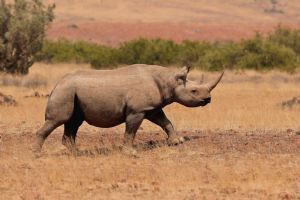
182	75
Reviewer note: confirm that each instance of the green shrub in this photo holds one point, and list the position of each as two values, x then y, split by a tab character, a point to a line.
286	37
191	51
59	51
78	52
22	30
220	56
148	51
104	57
263	55
255	53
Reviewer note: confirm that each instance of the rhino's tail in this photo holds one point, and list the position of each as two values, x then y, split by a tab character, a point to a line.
61	103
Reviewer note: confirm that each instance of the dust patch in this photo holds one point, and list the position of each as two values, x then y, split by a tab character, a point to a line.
291	103
7	100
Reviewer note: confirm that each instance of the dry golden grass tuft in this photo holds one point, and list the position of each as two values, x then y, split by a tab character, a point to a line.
243	145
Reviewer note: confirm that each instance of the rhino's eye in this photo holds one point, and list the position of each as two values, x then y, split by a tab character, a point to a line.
194	91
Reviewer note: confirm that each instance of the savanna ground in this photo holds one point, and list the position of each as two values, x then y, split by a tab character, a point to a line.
244	145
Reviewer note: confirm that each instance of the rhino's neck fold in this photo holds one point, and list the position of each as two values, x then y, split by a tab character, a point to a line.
166	89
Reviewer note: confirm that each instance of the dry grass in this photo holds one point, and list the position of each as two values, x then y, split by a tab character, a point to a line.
242	146
246	100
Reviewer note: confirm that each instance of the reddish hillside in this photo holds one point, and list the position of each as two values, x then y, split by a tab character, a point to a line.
115	21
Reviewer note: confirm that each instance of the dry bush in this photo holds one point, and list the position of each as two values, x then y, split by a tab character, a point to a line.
22	30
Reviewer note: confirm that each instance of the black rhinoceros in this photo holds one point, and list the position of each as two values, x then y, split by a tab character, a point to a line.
106	98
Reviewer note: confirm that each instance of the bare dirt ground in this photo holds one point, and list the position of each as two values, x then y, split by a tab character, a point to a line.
244	145
111	22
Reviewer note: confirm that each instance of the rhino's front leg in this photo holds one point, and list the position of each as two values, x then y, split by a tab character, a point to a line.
133	122
158	117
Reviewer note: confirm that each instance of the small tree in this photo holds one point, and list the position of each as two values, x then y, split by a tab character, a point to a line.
22	30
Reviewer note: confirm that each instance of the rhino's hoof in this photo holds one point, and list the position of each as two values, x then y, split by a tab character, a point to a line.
175	141
36	152
129	151
181	139
37	155
37	148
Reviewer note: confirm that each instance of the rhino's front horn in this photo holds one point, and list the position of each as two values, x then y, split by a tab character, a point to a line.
214	83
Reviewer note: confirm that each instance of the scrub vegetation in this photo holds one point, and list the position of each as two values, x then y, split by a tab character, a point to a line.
280	49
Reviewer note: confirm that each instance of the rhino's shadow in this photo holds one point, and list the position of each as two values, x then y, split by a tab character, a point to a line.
153	144
140	147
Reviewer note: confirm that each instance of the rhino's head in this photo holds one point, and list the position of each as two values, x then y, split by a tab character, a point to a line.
193	93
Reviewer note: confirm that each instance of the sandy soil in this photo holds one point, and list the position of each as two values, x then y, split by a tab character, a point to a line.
212	165
244	145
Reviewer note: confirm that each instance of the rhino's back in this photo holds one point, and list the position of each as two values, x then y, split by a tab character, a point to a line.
139	70
109	84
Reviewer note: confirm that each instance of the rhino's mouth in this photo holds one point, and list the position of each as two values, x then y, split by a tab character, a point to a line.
204	102
207	100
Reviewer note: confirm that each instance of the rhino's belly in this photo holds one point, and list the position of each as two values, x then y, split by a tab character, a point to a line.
103	113
102	117
103	121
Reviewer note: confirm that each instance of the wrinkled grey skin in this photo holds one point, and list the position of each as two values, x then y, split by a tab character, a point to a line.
106	98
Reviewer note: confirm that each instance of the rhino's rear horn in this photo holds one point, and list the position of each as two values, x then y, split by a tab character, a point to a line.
201	81
182	75
214	83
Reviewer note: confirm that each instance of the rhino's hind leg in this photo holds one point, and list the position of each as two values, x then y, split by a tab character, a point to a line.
70	131
71	127
43	133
